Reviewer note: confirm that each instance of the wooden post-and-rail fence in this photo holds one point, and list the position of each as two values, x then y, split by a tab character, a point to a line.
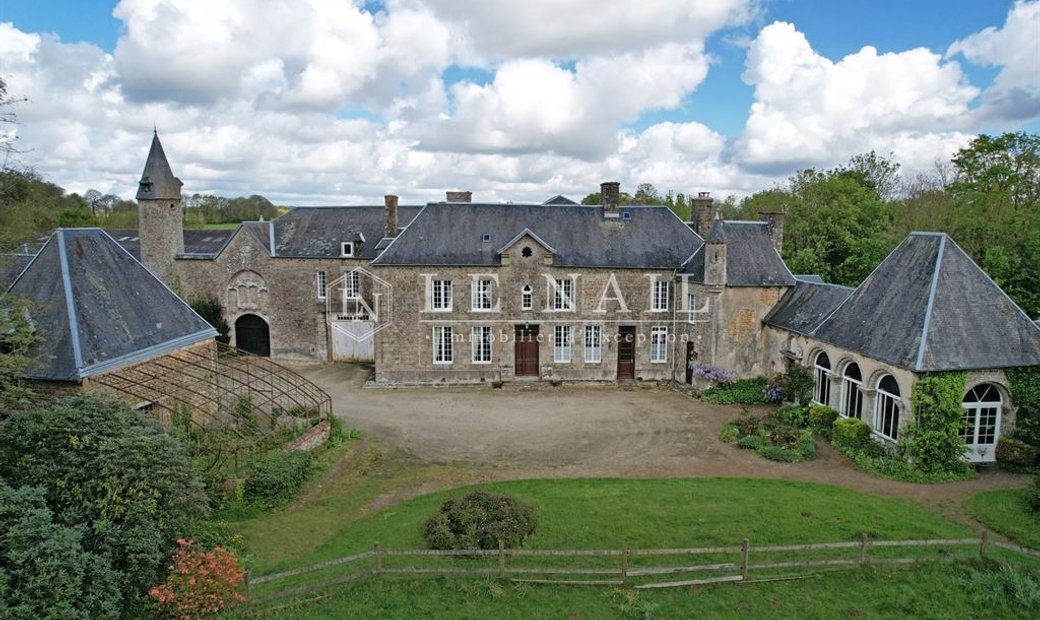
628	566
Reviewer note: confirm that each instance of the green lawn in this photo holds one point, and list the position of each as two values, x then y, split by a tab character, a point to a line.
924	591
611	513
1006	512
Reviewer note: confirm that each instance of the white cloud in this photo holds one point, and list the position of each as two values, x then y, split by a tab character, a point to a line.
1015	48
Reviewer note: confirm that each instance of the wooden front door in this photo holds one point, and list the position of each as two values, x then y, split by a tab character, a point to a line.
691	359
626	352
526	364
252	334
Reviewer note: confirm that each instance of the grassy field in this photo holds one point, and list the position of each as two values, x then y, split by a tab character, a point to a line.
1006	512
610	513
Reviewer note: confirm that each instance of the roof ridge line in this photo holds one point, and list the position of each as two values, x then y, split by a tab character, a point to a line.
70	306
931	303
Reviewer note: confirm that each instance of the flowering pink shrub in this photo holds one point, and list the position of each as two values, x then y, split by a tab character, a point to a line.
200	583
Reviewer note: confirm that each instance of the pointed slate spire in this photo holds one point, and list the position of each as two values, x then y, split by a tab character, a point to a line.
157	180
717	234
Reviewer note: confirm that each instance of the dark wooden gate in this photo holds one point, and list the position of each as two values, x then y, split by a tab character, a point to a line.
252	334
526	350
691	359
626	352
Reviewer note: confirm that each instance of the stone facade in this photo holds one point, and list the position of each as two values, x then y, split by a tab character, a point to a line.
604	297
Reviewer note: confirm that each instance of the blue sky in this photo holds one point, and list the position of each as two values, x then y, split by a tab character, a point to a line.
715	106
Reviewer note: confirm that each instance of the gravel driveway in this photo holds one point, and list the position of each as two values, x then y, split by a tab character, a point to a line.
539	431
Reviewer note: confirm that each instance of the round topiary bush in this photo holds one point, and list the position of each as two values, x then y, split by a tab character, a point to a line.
821	419
851	433
478	521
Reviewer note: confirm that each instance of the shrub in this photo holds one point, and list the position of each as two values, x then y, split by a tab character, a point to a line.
742	392
784	436
277	479
777	453
199	584
478	521
1003	584
747	425
209	308
1033	496
1015	454
111	472
716	375
729	432
1025	392
933	443
806	445
851	433
797	384
793	415
751	442
821	419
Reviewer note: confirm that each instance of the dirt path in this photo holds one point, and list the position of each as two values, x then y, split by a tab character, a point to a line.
543	432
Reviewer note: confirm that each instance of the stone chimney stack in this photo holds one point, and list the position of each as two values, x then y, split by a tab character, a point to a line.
701	213
459	196
390	227
715	254
610	196
775	219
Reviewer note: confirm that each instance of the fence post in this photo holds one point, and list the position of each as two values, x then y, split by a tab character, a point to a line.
745	550
864	541
983	543
379	557
249	593
624	563
501	559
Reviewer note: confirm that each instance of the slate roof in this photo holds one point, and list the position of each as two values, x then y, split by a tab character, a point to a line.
204	242
751	258
157	180
91	320
804	307
808	277
314	232
559	199
10	266
929	307
453	234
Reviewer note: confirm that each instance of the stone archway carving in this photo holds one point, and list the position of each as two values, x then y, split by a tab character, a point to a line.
246	293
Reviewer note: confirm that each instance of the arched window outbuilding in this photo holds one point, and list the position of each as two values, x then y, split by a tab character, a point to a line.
822	378
851	391
886	408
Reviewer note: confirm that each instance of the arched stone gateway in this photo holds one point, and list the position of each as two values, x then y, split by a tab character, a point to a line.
253	335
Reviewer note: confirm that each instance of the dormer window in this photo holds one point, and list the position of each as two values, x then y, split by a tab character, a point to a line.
626	215
346	249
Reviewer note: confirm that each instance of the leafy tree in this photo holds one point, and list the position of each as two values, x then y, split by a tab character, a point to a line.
112	472
209	308
45	570
17	335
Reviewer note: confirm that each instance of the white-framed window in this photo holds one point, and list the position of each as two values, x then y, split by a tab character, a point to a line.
886	410
480	294
851	391
320	280
593	352
526	297
351	285
980	423
480	341
442	344
691	307
346	249
563	294
658	344
441	293
659	296
822	376
562	344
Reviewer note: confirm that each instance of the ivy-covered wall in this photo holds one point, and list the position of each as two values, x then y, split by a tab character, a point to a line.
1024	384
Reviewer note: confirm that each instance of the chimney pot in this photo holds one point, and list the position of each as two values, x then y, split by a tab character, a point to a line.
390	228
775	219
610	196
459	196
702	213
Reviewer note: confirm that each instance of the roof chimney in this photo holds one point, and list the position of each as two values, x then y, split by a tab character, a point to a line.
610	196
775	219
702	213
390	226
459	196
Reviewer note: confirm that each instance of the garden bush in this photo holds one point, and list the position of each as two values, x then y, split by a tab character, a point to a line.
478	521
851	433
277	479
797	384
199	583
792	415
821	420
1033	496
741	392
751	442
777	453
729	432
1015	454
748	424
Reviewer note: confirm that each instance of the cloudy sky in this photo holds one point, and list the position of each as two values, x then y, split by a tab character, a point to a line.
339	102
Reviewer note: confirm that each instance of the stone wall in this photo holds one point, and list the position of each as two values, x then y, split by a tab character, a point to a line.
404	351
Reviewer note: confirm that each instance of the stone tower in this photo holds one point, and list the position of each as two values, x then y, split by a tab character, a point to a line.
715	254
160	217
